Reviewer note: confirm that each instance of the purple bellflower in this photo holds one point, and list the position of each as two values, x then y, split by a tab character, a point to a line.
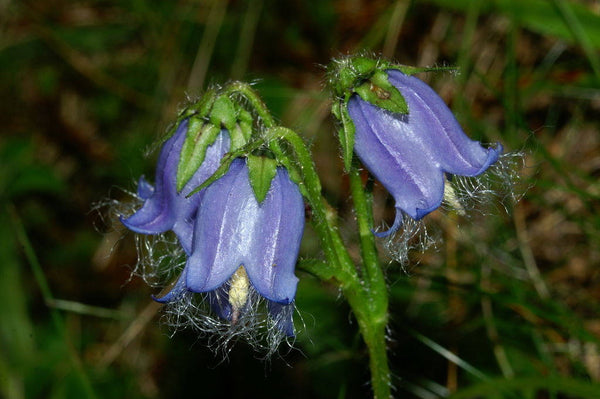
164	207
241	247
410	154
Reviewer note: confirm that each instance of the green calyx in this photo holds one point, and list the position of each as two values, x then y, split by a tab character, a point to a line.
346	132
367	78
223	113
238	109
206	118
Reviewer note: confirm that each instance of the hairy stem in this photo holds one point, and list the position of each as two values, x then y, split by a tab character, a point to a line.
245	90
374	317
366	293
367	297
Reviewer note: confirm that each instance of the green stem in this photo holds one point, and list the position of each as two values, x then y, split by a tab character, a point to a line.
254	99
373	314
374	336
323	220
362	207
368	299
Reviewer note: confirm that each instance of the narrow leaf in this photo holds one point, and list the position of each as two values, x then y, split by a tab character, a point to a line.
539	16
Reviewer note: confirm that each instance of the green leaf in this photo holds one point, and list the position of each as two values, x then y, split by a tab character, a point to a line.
380	92
261	171
199	136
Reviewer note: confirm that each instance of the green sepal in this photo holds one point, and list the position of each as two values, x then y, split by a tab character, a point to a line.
238	139
223	113
336	110
380	92
198	137
245	123
348	73
261	171
411	70
346	132
292	166
203	106
364	66
225	163
241	133
296	177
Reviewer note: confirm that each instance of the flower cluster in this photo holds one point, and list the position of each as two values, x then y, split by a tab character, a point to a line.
230	187
240	248
238	215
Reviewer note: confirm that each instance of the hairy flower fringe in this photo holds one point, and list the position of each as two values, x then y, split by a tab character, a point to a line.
412	236
160	258
254	325
501	184
160	261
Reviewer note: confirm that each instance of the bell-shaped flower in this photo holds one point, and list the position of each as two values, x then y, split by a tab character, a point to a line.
166	208
242	246
410	154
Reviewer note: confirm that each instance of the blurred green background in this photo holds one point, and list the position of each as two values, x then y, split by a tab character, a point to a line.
505	305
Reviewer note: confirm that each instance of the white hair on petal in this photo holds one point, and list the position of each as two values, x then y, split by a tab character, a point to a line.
254	325
160	258
463	195
160	261
413	235
500	182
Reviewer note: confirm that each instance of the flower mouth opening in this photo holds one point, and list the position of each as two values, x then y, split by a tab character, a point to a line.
224	320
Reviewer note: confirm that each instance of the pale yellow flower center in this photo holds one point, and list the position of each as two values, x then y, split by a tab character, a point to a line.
238	292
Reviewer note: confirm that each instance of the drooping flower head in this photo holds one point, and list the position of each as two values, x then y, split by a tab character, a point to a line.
239	222
165	206
407	137
410	154
205	132
243	245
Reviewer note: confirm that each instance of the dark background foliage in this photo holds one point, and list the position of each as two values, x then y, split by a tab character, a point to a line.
506	305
